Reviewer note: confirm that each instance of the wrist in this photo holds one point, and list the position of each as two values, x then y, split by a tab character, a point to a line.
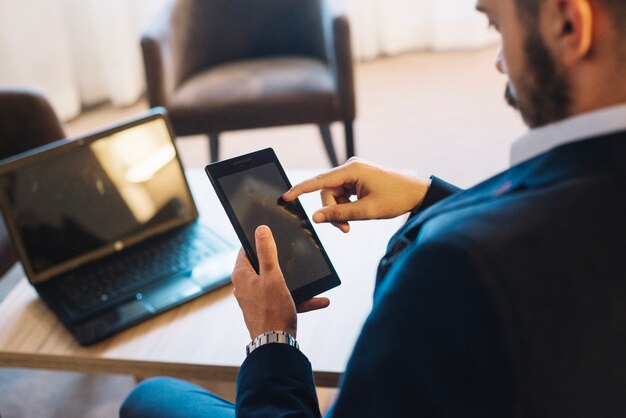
256	328
255	331
423	185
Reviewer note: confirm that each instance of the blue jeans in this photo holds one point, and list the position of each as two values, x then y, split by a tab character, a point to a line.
164	397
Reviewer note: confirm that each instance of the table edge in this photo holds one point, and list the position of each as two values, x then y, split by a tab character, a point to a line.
139	368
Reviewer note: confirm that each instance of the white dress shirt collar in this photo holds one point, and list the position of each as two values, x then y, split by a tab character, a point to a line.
588	125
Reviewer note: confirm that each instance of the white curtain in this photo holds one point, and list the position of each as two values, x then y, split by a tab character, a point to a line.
83	52
78	52
391	27
34	51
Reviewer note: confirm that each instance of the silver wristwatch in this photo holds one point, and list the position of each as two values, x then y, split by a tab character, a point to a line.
269	337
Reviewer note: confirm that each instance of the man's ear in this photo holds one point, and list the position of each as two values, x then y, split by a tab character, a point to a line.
568	28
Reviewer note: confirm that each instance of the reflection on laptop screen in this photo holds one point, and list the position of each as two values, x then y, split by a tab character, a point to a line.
98	197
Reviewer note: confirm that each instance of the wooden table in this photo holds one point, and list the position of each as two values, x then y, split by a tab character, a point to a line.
205	338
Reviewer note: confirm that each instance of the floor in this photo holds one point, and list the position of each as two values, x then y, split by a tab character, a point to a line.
440	114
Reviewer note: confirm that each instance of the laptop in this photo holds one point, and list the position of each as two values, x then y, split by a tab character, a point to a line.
107	230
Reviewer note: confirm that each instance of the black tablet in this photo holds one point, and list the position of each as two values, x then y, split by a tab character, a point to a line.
250	188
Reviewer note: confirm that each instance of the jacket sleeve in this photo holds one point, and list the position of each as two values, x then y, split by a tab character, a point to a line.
430	347
276	380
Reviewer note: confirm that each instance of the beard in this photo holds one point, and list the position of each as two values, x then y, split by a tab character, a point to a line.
543	96
510	96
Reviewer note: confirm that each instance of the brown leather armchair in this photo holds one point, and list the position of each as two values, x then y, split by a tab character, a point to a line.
222	65
26	121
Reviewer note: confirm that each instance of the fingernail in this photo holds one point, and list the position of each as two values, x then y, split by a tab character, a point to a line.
319	217
262	232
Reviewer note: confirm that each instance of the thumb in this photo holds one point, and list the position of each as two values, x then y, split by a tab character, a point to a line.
266	250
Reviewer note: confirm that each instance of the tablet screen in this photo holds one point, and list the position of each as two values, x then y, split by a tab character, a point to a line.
255	198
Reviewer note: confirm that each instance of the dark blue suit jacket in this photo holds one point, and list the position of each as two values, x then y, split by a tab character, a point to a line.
505	300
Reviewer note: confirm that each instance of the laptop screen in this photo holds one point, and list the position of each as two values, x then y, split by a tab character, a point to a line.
94	196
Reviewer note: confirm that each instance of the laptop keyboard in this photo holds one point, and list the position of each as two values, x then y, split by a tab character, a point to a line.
121	274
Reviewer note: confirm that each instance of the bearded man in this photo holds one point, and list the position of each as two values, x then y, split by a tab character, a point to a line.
504	300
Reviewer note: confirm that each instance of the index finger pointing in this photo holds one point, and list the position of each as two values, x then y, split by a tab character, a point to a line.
334	178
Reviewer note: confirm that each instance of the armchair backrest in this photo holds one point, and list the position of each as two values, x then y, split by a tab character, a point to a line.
27	120
211	32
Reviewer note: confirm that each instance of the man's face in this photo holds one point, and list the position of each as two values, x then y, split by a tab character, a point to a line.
537	86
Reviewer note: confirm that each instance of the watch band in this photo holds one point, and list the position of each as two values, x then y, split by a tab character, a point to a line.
270	337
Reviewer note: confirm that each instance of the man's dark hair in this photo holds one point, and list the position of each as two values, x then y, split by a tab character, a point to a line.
617	9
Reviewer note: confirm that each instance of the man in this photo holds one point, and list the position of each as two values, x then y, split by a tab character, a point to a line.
505	300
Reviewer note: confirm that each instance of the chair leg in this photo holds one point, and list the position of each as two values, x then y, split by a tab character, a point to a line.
328	144
349	140
214	146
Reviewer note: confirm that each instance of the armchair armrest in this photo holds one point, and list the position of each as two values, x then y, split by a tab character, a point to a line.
159	60
344	66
